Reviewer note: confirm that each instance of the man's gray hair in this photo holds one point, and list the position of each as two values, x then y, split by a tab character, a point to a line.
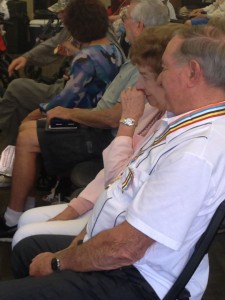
150	12
206	45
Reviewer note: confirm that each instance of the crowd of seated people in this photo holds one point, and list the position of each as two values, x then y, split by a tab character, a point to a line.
146	118
203	15
93	68
139	235
62	150
131	229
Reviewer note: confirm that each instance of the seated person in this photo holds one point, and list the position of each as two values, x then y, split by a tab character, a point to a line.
145	225
61	151
146	50
95	64
202	15
118	16
24	95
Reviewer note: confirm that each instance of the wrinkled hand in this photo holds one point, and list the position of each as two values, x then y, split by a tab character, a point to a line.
195	12
59	112
133	103
17	64
41	265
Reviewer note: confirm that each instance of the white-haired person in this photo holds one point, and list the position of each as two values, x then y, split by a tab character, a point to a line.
145	225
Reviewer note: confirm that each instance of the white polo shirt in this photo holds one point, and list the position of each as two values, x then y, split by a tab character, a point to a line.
169	191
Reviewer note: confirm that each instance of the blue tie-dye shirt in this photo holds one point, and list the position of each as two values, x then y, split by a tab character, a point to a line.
92	70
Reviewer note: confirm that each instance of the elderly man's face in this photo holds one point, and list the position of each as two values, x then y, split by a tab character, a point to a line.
173	79
130	25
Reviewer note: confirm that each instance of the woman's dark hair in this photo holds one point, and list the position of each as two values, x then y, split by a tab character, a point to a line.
86	20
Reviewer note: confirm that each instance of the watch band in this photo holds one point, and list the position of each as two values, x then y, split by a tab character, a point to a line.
55	264
128	122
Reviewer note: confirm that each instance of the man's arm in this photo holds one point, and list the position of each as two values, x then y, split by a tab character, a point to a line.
41	264
43	53
111	249
106	118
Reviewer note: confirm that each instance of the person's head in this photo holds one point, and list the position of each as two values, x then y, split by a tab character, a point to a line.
193	69
86	20
218	22
146	53
59	7
142	14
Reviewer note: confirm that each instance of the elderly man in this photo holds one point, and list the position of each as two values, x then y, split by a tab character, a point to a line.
145	225
63	154
23	95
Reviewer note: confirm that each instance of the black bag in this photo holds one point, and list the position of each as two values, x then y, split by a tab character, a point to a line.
63	149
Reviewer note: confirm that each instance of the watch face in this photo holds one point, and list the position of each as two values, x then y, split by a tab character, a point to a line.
129	122
55	264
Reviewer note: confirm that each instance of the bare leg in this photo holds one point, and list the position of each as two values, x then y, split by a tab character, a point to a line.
24	171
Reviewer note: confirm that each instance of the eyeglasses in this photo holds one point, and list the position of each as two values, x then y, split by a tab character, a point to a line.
123	13
124	17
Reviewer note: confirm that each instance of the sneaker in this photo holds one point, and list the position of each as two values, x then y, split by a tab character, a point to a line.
6	232
5	181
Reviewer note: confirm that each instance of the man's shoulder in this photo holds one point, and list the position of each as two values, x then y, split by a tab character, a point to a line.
127	68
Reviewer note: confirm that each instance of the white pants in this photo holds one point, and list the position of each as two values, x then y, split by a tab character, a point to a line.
34	222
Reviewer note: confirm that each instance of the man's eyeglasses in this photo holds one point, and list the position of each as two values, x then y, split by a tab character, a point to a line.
123	13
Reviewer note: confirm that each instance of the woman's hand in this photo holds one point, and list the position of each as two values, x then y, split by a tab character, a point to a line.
67	214
133	103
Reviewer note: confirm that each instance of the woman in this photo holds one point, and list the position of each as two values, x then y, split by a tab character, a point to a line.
146	53
95	64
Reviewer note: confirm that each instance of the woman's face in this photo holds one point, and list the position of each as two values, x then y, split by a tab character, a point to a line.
147	82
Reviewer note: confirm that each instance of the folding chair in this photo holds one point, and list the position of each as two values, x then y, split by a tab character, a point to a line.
177	291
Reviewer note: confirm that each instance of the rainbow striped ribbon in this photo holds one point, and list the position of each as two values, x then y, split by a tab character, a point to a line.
198	115
211	111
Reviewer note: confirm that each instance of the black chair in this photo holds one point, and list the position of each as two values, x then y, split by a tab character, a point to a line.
201	249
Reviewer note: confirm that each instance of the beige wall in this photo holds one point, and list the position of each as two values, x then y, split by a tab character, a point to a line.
30	8
106	2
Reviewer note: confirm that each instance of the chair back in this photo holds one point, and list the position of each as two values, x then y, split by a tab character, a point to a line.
201	248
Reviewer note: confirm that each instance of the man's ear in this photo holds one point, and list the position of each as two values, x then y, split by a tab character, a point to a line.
195	72
140	27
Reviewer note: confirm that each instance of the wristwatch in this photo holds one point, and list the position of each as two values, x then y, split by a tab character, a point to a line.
128	122
55	264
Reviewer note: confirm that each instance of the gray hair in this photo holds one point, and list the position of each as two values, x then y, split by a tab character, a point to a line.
150	12
206	45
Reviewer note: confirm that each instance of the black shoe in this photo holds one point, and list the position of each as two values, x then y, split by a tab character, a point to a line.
6	232
222	228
